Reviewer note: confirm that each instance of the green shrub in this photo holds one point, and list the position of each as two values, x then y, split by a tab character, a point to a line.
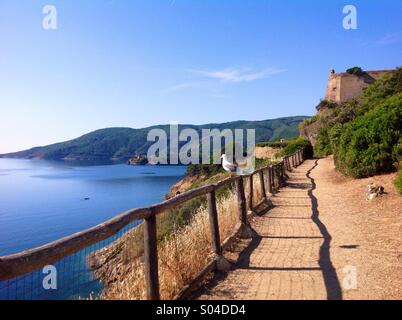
326	104
322	146
259	163
387	86
204	169
273	144
357	71
397	153
366	145
297	144
179	217
308	121
347	111
398	182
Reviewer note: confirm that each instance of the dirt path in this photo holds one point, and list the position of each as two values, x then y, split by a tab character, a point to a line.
365	234
322	240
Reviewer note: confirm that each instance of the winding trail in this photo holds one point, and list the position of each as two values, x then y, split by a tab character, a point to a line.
290	256
320	240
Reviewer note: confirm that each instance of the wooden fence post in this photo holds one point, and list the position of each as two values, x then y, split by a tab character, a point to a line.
289	164
262	183
213	222
241	201
221	262
251	192
270	180
245	230
151	259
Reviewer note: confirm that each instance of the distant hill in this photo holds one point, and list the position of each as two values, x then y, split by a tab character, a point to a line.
122	143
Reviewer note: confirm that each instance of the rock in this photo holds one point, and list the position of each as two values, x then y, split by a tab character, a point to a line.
138	160
182	186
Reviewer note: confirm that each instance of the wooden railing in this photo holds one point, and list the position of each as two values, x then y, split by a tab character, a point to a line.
18	264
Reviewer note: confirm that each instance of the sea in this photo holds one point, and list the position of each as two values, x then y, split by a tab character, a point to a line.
42	201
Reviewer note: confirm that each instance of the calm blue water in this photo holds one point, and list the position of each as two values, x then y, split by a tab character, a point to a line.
41	201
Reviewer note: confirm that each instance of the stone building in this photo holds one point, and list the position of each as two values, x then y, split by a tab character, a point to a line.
345	86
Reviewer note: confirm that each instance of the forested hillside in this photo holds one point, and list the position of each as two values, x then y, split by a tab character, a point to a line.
123	143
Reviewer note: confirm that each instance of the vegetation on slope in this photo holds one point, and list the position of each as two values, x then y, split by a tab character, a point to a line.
297	144
368	145
308	122
398	182
273	144
364	134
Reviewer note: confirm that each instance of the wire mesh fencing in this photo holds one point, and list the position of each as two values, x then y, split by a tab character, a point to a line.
72	277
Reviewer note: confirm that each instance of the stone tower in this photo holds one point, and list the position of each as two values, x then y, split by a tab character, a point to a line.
344	86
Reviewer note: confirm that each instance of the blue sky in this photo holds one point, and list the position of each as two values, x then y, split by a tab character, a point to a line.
139	63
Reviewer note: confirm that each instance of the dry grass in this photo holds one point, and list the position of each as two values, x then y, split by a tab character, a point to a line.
257	190
181	256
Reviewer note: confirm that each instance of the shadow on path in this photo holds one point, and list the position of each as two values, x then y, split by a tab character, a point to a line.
331	282
332	285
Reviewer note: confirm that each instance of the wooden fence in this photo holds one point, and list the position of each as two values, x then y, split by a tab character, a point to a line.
28	261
